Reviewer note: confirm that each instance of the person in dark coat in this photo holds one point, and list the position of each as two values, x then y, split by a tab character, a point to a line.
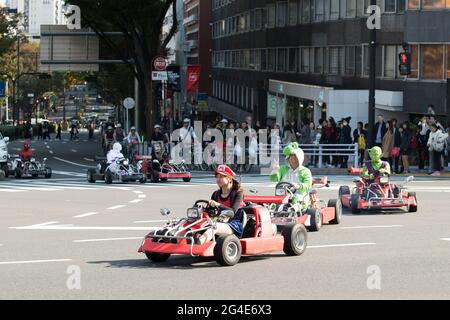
379	131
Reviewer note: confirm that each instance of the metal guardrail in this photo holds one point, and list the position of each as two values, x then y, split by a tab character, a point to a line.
316	151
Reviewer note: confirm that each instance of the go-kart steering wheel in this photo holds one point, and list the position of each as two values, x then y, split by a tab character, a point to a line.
211	211
286	185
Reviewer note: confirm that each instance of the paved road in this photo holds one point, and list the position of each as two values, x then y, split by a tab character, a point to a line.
52	229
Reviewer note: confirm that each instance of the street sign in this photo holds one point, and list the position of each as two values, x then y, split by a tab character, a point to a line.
160	63
2	89
129	103
159	76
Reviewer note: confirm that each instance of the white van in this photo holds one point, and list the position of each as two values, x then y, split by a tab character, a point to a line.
3	151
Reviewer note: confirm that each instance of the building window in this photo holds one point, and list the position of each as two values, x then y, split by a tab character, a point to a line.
306	11
401	6
281	60
433	4
334	10
351	9
264	60
350	61
389	5
281	14
305	60
258	18
293	58
333	61
317	10
414	50
271	16
358	61
271	59
432	62
318	60
390	60
293	12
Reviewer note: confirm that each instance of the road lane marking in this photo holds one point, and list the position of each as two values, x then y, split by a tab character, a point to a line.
72	163
6	190
73	150
51	152
84	215
445	239
151	221
138	192
89	160
34	261
343	245
48	147
142	196
116	207
372	227
27	188
104	240
65	227
135	201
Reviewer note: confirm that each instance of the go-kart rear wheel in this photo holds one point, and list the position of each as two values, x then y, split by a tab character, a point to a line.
143	180
355	203
412	208
228	250
337	205
295	239
155	176
187	179
91	175
18	173
108	177
344	191
157	257
48	173
316	219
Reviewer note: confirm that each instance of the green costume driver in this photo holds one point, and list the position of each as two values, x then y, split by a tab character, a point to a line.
375	167
296	174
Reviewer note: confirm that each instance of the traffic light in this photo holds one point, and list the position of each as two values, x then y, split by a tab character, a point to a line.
405	63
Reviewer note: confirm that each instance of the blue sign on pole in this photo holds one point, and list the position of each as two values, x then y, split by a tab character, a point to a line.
2	89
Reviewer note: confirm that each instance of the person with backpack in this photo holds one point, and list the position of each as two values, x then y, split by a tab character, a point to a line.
436	145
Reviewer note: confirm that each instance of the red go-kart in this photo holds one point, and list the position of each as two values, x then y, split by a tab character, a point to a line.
377	194
179	236
158	167
283	212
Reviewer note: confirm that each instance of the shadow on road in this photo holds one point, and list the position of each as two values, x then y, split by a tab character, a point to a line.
179	262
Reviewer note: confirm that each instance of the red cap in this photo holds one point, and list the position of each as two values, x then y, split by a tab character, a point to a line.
225	171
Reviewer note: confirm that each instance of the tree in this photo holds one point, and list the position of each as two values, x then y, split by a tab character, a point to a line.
141	22
8	31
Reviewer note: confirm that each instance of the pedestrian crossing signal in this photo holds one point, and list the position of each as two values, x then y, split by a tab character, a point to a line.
405	63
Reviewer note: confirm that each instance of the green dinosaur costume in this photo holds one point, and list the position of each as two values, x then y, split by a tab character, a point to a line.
375	166
300	176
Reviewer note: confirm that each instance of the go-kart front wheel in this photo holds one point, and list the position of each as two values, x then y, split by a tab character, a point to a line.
228	250
412	208
295	239
355	204
337	205
108	177
48	173
187	179
143	180
18	173
157	257
316	219
91	175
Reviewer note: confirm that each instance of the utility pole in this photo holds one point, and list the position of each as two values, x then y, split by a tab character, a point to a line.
372	68
15	82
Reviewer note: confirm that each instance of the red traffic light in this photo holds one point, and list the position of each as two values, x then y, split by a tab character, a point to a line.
403	58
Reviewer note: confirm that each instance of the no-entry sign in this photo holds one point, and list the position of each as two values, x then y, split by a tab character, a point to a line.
160	63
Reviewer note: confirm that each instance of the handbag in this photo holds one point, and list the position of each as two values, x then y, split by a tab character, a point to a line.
396	152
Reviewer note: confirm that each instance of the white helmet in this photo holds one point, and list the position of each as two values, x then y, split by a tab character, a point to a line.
117	147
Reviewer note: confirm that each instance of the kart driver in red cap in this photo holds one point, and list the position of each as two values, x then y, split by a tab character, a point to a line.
26	153
229	197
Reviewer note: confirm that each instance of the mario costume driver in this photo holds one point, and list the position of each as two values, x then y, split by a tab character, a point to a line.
296	174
